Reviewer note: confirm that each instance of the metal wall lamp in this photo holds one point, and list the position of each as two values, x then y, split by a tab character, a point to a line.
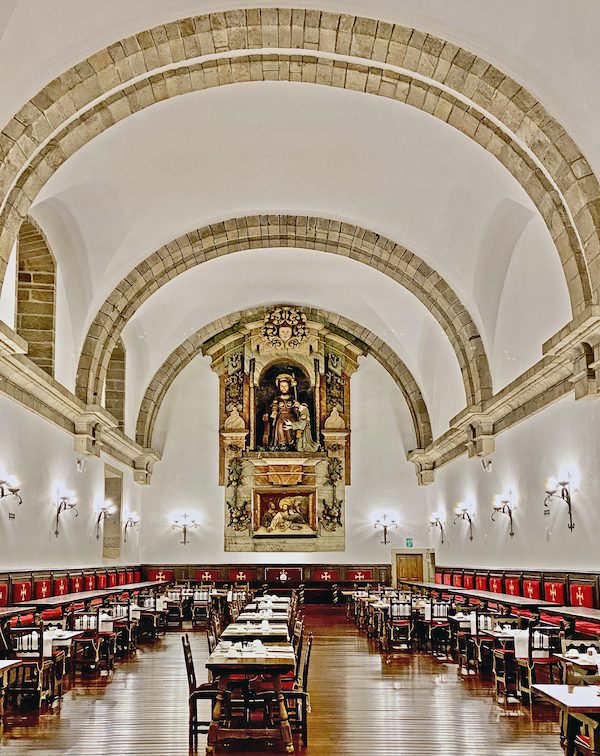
184	526
435	521
10	487
132	521
504	506
385	526
64	504
462	513
106	509
559	490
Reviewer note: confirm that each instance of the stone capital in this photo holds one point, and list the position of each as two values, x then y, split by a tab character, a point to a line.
143	466
89	426
234	442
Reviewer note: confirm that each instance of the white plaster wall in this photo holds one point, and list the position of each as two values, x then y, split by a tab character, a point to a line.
565	438
41	457
186	480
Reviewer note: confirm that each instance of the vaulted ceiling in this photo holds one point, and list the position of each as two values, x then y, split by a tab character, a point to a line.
496	223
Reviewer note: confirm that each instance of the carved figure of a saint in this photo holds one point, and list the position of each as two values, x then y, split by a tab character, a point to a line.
284	410
304	441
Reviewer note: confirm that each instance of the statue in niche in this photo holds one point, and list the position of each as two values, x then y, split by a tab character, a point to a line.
284	404
284	411
301	428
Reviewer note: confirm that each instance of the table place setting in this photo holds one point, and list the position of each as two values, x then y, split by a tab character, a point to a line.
253	649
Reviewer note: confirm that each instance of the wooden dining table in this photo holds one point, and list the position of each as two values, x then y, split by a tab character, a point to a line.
272	664
238	631
580	704
280	617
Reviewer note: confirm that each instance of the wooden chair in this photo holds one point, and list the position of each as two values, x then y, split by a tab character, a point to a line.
296	697
38	678
437	627
544	642
400	624
203	692
96	649
201	606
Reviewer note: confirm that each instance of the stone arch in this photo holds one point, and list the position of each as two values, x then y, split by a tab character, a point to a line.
36	296
413	67
181	357
306	232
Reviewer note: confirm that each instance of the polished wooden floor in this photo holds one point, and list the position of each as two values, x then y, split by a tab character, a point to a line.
363	705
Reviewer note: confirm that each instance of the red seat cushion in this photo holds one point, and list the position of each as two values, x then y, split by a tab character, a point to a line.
49	614
550	619
548	660
22	620
582	741
403	622
589	628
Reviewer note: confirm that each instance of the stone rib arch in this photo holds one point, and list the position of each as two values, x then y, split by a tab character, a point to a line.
267	231
429	73
181	357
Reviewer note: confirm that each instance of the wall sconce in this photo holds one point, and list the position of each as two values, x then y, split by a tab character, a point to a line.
64	504
504	506
107	508
559	490
132	521
385	526
435	521
184	527
10	487
462	513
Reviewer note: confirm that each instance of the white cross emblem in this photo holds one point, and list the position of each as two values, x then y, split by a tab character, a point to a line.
511	587
579	596
44	590
553	592
23	592
326	576
76	584
90	583
530	590
160	575
240	576
360	576
61	587
206	576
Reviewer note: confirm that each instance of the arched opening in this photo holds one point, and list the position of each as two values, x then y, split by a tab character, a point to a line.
36	296
114	394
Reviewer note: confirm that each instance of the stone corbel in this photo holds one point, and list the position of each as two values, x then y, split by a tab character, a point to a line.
88	429
479	428
579	343
143	466
424	467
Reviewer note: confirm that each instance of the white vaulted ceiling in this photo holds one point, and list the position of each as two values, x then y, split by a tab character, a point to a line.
303	149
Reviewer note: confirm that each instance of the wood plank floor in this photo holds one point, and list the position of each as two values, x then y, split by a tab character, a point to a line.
363	705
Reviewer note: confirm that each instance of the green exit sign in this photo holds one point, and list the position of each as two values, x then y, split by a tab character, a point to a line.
409	543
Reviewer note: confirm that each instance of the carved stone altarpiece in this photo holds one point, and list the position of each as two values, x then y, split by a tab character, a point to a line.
285	430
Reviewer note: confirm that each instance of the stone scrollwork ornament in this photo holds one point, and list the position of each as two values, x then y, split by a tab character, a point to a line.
285	327
239	513
331	513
